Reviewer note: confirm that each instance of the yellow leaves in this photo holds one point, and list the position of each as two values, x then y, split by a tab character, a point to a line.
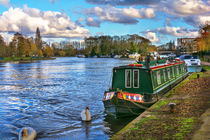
48	51
204	40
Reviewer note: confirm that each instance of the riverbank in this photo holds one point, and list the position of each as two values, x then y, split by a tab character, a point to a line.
192	98
25	59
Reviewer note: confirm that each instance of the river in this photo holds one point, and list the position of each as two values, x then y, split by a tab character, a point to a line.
49	95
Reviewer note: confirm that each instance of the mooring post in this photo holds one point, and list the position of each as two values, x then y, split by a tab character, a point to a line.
198	76
172	107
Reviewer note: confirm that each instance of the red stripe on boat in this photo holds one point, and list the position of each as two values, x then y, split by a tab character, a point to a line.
161	66
136	65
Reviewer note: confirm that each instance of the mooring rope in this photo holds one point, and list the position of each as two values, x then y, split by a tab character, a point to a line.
140	106
131	109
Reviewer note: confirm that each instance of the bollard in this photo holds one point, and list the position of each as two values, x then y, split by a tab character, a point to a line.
172	107
198	76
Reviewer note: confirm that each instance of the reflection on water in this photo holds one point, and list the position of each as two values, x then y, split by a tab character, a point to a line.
49	96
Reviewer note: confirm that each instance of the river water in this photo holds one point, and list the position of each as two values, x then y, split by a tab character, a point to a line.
49	95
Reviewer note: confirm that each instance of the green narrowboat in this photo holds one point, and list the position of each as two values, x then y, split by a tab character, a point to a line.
135	87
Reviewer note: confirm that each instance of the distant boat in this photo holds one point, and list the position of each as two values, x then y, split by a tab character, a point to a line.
105	56
117	56
135	87
81	56
134	56
193	63
163	56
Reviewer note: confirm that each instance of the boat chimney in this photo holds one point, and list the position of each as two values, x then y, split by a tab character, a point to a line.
148	61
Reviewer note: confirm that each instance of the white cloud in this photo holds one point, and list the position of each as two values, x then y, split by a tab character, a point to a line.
197	20
178	31
194	12
132	12
120	15
178	7
188	7
149	12
4	2
7	37
152	37
51	24
92	22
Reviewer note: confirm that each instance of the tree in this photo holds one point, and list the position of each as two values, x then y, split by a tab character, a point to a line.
93	52
48	51
203	41
38	39
26	48
2	47
40	53
20	45
133	48
34	50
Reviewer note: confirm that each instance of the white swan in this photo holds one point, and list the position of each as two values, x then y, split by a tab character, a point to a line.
85	115
27	133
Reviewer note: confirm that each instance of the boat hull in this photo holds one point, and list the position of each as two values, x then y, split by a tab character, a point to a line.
123	108
196	68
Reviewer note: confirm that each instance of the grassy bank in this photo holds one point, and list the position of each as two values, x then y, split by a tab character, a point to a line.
26	59
192	99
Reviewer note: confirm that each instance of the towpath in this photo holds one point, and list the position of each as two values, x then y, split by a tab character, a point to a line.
204	132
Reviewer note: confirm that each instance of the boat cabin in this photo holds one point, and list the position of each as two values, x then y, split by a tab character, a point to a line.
136	78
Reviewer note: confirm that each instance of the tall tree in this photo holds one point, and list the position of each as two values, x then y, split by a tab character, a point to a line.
2	47
38	39
204	39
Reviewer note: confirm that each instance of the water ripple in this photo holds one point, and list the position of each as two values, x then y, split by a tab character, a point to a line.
49	96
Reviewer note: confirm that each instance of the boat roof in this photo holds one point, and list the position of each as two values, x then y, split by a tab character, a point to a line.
188	56
151	67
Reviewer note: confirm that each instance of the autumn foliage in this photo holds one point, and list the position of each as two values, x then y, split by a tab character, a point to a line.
204	38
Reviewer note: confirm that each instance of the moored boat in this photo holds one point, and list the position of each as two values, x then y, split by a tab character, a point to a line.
134	56
81	56
135	87
193	63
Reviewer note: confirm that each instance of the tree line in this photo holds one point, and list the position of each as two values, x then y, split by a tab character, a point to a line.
117	45
21	46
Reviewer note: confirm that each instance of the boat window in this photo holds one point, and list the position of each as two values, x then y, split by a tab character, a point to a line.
195	57
164	75
128	78
158	78
169	75
187	57
136	78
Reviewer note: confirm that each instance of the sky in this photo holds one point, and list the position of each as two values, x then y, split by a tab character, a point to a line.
160	21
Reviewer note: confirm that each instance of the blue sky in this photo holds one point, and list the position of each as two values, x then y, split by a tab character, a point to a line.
158	20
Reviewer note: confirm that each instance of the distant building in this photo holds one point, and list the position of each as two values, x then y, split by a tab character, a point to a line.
168	46
187	44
